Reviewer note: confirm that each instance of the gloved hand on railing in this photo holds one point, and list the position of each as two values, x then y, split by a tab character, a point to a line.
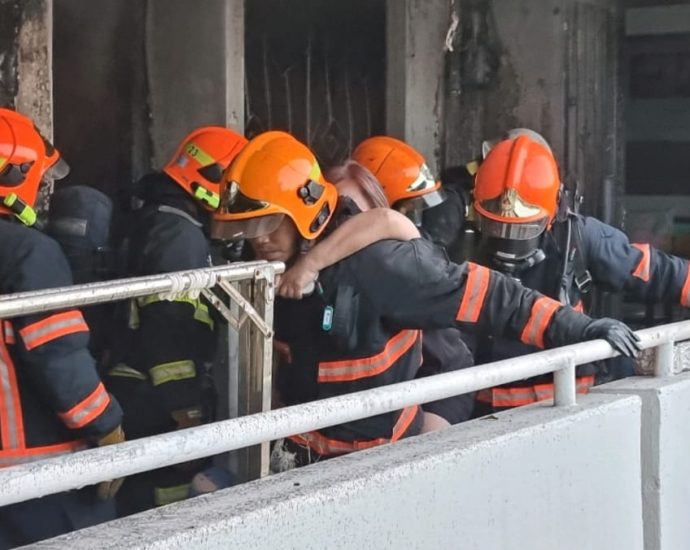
108	489
618	334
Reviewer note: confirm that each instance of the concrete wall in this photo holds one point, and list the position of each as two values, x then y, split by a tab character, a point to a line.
415	40
665	452
195	59
537	478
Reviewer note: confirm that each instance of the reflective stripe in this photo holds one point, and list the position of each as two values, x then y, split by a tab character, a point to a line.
643	269
526	395
11	420
53	327
355	369
539	319
168	495
32	454
685	292
125	371
201	311
475	292
8	330
327	447
87	409
170	372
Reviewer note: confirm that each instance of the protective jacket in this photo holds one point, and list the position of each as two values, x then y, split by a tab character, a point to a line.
172	342
599	255
51	398
363	329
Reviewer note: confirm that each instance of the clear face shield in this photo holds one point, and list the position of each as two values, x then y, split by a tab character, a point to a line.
433	195
247	223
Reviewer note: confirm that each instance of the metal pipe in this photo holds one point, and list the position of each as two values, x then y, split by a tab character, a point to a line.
663	360
36	479
13	305
565	386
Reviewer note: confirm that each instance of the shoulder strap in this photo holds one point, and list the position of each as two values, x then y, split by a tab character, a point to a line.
574	260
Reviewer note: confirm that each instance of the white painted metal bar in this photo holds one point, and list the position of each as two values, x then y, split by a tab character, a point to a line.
565	386
663	360
12	305
88	467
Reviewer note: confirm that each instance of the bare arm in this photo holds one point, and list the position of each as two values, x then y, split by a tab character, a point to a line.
352	236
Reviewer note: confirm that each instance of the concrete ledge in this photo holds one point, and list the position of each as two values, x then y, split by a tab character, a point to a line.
665	456
538	477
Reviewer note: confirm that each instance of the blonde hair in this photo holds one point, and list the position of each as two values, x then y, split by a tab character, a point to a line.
366	181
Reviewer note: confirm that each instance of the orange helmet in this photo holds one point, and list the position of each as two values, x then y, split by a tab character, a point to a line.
200	160
407	181
26	157
274	176
516	192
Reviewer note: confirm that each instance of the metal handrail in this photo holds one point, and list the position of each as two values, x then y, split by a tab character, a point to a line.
25	303
88	467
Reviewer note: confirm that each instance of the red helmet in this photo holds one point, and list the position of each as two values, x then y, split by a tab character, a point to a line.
201	159
26	158
516	195
409	185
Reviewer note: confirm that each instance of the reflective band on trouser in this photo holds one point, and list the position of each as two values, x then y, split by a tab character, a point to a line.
643	269
685	292
355	369
168	495
539	319
124	371
475	292
328	447
11	420
32	454
87	409
8	331
171	372
52	328
526	395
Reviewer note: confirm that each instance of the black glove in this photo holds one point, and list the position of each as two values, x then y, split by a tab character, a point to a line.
618	334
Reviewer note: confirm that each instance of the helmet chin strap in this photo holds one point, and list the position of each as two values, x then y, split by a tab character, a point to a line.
517	266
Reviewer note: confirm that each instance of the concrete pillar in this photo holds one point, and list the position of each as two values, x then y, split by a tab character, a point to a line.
26	56
195	58
415	35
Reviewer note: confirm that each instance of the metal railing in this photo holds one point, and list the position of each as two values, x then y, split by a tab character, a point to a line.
242	293
58	474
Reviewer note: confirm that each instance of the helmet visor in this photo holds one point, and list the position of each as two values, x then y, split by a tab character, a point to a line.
413	207
514	231
58	170
247	228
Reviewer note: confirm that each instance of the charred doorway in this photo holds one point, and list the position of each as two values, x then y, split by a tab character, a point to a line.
317	70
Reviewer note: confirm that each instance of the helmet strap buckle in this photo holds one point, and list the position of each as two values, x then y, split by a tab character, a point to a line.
21	210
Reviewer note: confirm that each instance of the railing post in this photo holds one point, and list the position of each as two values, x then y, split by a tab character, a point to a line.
663	360
564	385
262	361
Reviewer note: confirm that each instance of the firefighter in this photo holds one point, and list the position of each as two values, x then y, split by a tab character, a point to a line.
360	328
79	220
164	383
408	185
530	233
51	398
